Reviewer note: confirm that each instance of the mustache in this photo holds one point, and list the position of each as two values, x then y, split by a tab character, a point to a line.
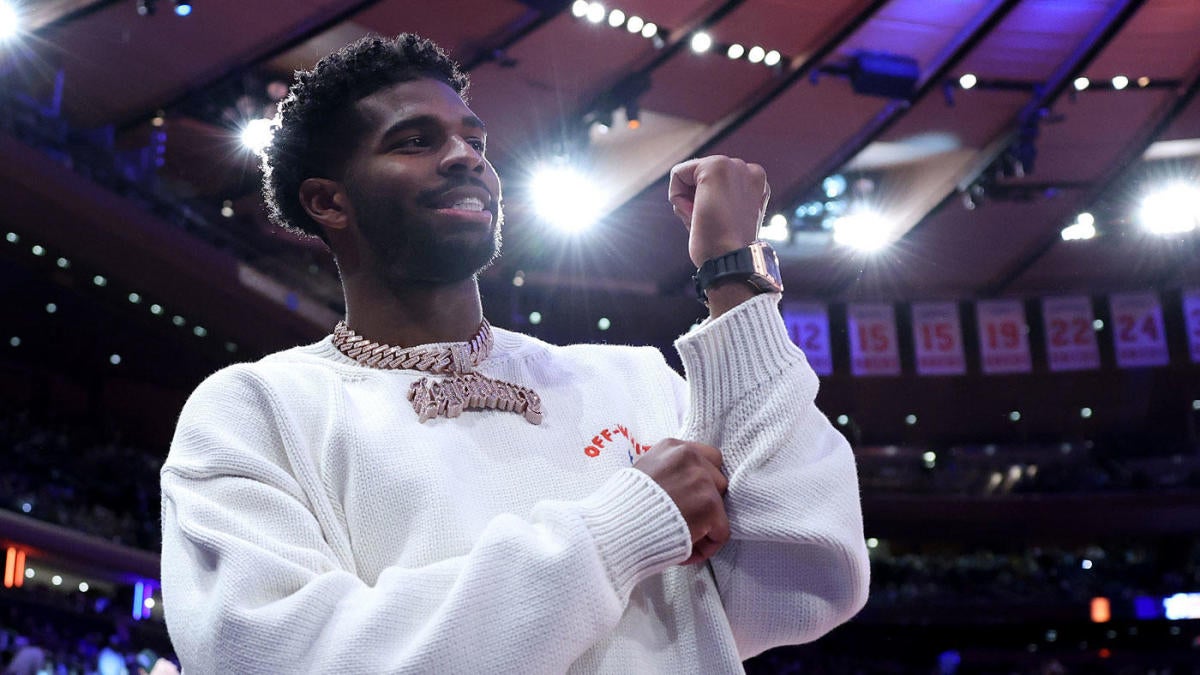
430	196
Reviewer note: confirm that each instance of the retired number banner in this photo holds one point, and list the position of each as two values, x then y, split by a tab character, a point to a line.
808	326
1003	337
937	337
1138	330
1191	319
1070	337
872	333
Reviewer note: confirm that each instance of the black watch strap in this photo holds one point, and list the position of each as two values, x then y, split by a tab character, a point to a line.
756	264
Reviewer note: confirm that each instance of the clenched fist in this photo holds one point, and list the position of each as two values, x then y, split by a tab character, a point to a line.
721	200
690	473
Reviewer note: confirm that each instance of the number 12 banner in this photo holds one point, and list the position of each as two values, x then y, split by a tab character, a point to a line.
1070	338
1003	337
1138	330
937	336
1191	318
873	348
808	327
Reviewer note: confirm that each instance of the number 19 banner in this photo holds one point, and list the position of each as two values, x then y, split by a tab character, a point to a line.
937	337
1003	337
1070	338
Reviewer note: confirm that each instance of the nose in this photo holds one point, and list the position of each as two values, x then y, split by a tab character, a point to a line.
461	156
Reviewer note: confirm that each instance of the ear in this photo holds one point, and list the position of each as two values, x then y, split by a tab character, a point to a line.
326	202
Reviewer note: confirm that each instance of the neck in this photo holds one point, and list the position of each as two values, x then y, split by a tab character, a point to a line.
414	314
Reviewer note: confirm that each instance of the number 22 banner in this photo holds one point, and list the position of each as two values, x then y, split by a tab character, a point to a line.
1003	336
808	327
873	348
1070	338
937	336
1138	330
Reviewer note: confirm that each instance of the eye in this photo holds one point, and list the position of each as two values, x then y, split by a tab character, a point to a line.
411	142
479	144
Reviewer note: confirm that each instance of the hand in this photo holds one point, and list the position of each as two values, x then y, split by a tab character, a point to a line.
690	473
721	200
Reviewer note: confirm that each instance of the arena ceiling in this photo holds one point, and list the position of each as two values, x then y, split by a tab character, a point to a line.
976	184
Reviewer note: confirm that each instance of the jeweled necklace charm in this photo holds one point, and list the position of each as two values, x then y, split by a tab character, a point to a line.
462	389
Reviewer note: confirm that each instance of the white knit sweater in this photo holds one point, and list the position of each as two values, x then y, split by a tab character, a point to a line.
311	524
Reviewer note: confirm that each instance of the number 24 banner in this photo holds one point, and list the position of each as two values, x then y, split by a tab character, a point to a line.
1138	330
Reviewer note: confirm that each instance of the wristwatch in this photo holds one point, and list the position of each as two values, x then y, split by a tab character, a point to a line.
756	264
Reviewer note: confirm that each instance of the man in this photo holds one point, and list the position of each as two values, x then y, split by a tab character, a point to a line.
420	492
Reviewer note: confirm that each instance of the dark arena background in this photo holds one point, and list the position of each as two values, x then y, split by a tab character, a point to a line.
987	214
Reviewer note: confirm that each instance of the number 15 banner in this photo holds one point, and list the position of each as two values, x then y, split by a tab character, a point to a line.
1070	337
873	348
1003	337
937	336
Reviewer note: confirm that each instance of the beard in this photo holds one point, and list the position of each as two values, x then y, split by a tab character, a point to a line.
411	251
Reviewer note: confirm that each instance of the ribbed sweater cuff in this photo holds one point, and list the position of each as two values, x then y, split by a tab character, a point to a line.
733	354
637	528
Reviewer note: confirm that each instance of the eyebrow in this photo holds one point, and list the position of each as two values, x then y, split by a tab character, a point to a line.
431	120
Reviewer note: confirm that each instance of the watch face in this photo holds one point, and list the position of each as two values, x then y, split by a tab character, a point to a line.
766	267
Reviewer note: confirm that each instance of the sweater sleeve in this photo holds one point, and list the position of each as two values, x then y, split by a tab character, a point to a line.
255	581
796	565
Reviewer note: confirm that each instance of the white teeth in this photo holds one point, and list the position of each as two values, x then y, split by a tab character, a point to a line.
468	204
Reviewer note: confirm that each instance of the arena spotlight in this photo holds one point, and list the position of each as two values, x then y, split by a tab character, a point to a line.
772	58
579	8
649	30
1174	209
596	12
968	81
862	229
616	18
756	54
701	42
735	51
1120	82
257	133
10	22
182	8
146	7
635	24
566	198
1082	83
776	228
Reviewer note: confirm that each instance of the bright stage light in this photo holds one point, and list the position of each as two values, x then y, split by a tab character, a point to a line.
756	54
182	8
579	8
256	135
1120	82
566	198
1172	210
10	23
649	30
776	228
968	80
1082	83
864	230
701	42
735	51
635	24
772	58
616	18
595	12
1078	232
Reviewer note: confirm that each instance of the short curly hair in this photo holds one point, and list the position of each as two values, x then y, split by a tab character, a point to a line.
302	146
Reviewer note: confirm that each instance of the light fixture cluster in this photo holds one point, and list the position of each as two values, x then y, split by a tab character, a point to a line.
1168	210
597	13
150	7
700	41
968	81
100	281
10	21
843	208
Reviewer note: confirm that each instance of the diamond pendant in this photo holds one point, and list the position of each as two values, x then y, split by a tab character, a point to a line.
461	391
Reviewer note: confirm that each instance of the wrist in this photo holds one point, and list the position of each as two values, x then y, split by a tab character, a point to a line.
725	294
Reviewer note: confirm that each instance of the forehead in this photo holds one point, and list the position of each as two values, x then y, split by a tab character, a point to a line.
421	97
